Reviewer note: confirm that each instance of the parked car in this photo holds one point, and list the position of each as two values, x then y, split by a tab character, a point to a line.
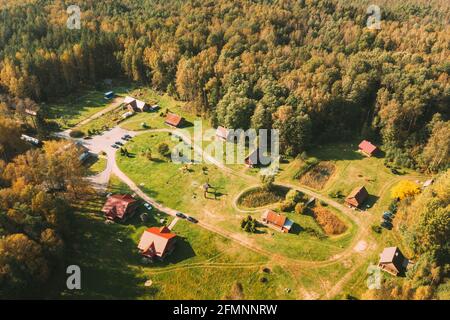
191	219
180	215
387	215
119	143
386	225
115	146
126	137
148	206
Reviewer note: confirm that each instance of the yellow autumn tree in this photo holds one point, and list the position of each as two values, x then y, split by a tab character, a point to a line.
404	189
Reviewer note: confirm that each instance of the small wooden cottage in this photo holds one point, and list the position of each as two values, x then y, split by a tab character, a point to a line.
357	197
277	221
393	261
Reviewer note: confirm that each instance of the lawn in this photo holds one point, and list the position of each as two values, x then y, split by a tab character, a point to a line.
180	187
351	170
96	165
74	108
203	266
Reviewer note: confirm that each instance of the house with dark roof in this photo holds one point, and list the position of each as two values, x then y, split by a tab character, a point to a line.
393	261
222	133
157	242
357	197
277	221
119	207
367	148
174	120
135	105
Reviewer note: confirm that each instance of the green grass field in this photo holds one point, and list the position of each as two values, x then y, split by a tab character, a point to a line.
182	190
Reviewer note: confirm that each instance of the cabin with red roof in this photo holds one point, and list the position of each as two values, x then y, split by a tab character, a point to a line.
157	242
277	221
174	120
367	148
119	207
356	198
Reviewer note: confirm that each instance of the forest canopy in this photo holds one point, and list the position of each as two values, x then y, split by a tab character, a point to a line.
250	63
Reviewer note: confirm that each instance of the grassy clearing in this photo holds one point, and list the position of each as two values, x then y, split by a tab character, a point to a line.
72	109
203	265
180	187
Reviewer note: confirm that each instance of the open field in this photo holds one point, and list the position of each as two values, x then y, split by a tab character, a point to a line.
180	187
203	265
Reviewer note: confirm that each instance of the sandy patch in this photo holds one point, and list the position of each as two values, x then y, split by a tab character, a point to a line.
360	246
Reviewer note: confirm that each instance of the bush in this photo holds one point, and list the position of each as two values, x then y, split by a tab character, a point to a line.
163	149
300	208
294	196
287	206
76	134
248	224
376	229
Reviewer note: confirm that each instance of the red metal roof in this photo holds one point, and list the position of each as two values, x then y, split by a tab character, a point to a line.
118	205
367	147
173	119
275	218
155	241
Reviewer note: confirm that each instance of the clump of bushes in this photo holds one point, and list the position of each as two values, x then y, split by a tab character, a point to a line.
300	208
76	134
292	199
376	228
249	224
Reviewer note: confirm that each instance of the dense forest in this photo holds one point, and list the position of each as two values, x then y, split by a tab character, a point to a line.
310	68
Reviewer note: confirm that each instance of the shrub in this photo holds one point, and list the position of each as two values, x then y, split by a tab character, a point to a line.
404	189
376	229
287	205
300	208
294	196
248	224
163	149
76	134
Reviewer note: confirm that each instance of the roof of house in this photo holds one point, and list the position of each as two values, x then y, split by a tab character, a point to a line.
367	147
428	182
128	99
173	119
222	132
118	204
274	218
359	194
156	238
393	255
